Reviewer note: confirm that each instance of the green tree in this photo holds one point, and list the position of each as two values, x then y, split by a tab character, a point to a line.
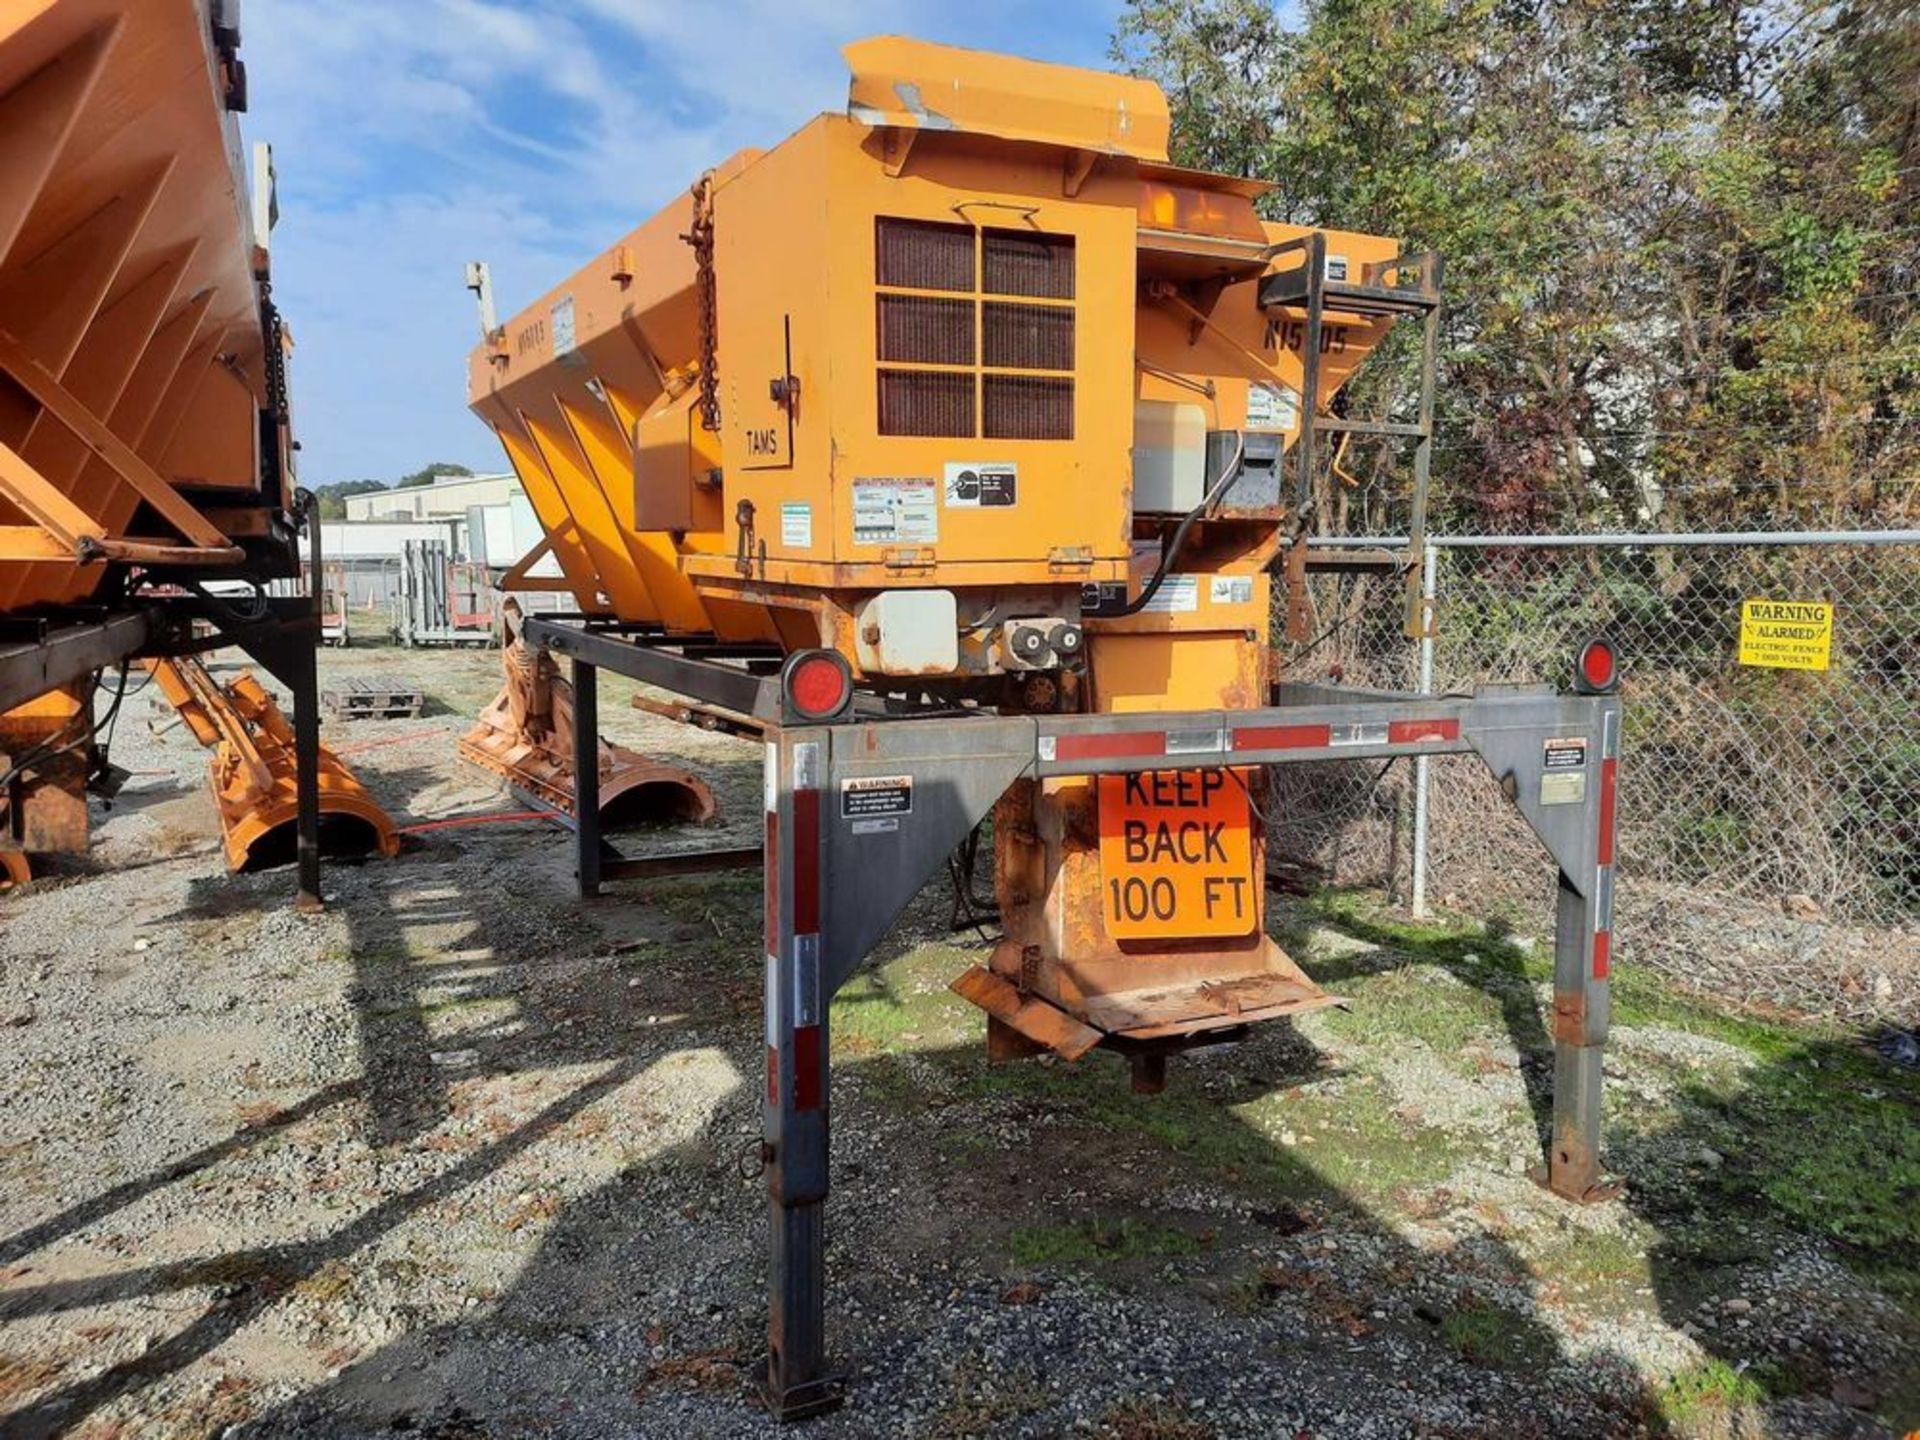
1679	235
433	472
332	499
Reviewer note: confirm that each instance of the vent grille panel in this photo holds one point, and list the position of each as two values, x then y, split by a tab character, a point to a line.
1028	337
926	402
932	332
1028	407
917	255
1018	262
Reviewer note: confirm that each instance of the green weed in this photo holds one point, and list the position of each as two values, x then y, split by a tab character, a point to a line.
1099	1239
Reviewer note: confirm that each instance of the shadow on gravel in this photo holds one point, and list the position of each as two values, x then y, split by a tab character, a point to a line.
1023	1181
78	1217
1083	1186
251	1280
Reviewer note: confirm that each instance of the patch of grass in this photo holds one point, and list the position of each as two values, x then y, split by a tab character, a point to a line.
1367	1149
1091	1240
1183	1121
1829	1147
904	1005
328	1284
1404	1004
1459	944
1702	1401
1821	1137
1152	1420
984	1402
721	915
1484	1334
1604	1261
384	955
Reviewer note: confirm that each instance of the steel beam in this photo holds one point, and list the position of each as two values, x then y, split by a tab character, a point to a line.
30	668
725	685
691	862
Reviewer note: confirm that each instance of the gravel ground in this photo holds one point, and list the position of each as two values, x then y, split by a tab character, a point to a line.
463	1157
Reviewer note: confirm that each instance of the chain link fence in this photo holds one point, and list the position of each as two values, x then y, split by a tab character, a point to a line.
1769	818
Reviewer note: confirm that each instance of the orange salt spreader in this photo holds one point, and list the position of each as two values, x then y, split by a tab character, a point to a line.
146	455
973	386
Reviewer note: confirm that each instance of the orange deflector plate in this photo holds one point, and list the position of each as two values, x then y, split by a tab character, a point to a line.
1176	855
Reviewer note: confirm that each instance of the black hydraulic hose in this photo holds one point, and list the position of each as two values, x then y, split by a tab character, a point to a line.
1178	543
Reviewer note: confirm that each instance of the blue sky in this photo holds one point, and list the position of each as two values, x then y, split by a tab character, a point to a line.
414	135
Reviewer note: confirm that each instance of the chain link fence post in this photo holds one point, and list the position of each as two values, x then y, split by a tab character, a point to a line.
1423	765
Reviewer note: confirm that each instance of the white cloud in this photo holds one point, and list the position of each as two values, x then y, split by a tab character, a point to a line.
414	135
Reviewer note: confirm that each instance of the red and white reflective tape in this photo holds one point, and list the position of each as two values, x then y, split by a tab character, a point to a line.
1149	744
794	1014
1603	847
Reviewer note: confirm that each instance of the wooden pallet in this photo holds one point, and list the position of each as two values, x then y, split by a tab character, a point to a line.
365	699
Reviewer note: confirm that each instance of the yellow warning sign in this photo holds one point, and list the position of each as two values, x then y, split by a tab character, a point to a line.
1786	634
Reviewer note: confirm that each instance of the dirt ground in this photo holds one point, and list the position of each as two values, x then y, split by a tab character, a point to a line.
464	1157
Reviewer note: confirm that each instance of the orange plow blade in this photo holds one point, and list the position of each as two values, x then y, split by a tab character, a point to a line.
252	773
526	737
14	870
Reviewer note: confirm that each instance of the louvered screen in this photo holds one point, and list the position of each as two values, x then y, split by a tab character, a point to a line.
1019	262
1028	407
926	402
1028	337
916	255
983	337
920	328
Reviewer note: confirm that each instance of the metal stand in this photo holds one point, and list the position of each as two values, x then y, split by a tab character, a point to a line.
586	776
834	886
306	760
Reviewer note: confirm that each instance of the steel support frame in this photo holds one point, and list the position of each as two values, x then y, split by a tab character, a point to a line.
59	653
283	638
836	881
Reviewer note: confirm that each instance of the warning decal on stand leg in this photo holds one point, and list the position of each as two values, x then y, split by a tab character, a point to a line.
1176	855
875	803
1563	763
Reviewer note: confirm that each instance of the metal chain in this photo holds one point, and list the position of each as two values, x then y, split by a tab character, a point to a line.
700	236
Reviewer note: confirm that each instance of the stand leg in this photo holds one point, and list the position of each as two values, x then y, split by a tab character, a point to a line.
794	1115
586	775
305	683
1573	1166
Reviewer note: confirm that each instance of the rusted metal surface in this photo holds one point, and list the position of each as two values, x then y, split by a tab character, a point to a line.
1570	1018
702	717
526	736
1038	1020
45	749
1058	953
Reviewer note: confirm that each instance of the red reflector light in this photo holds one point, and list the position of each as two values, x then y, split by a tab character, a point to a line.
818	685
1596	671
